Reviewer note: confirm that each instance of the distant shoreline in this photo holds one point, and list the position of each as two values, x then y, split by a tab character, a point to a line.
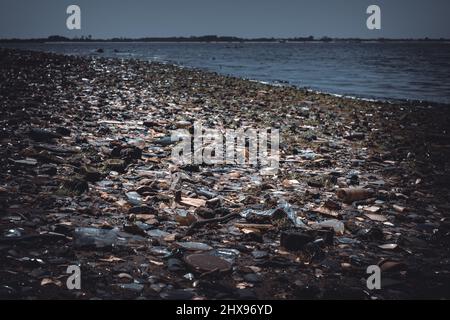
231	42
214	39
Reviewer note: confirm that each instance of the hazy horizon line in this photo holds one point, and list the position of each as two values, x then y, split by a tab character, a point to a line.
212	38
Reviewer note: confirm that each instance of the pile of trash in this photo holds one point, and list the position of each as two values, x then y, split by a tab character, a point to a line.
87	179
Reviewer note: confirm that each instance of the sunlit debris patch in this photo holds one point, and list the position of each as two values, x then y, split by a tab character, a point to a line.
243	146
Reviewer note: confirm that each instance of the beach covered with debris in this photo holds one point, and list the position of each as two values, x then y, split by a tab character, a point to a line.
87	180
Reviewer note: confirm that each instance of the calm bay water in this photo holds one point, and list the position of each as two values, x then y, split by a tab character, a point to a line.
414	71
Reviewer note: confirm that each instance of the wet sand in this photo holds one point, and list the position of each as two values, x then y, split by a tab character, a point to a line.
82	146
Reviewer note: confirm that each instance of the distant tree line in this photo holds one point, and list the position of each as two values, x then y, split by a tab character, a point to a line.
209	38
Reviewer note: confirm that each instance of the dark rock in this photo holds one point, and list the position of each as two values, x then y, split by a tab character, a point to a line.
150	124
207	263
310	137
63	229
304	112
63	131
75	185
103	130
314	249
91	174
373	234
222	211
353	178
327	234
49	170
165	141
134	229
253	278
142	210
258	254
295	241
253	237
214	203
333	205
133	153
145	190
191	168
415	218
126	153
115	165
175	265
205	213
315	183
43	135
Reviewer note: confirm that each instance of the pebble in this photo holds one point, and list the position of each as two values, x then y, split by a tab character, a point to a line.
207	263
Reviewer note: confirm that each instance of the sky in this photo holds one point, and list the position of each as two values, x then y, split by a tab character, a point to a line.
242	18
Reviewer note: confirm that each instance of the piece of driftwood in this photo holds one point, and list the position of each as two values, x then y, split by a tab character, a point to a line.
196	225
